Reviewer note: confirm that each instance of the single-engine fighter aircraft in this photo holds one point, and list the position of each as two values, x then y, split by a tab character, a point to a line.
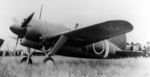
96	41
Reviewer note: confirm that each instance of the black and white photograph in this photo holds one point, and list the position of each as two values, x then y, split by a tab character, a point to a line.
74	38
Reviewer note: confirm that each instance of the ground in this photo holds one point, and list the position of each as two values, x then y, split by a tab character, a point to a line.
74	67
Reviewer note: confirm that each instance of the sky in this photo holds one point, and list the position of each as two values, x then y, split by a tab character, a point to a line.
84	12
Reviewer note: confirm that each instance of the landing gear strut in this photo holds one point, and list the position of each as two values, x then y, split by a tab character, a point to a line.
60	42
47	57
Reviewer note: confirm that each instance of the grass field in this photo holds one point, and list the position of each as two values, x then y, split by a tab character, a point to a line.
74	67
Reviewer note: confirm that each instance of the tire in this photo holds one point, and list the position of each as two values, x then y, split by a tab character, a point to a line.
24	59
47	59
30	61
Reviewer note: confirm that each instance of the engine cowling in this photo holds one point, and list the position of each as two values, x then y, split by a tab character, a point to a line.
31	44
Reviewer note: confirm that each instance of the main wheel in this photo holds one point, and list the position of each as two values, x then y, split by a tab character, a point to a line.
29	61
26	59
48	59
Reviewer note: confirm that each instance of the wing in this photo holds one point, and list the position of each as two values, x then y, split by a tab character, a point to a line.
97	32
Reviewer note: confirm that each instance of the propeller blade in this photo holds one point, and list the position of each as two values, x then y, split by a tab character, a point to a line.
27	20
17	43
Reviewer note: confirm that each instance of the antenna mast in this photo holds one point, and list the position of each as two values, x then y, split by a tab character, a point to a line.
41	11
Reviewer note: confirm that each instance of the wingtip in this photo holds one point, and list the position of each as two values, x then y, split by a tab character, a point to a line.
126	23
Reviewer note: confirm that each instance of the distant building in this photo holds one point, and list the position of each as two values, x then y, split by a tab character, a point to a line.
147	47
128	46
134	47
138	47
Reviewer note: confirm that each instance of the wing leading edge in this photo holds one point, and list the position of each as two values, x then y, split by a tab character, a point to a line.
97	32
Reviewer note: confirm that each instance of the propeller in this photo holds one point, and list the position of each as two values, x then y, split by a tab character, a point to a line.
20	30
